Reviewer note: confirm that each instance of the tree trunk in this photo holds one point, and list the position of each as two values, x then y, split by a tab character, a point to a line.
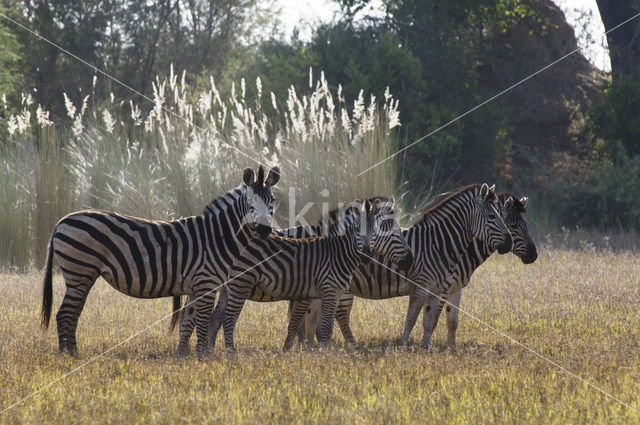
624	41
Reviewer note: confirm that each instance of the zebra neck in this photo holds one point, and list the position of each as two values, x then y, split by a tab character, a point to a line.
345	247
228	233
445	230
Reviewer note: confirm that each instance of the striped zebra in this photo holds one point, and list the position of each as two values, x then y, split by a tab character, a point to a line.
152	259
308	268
439	240
390	284
333	225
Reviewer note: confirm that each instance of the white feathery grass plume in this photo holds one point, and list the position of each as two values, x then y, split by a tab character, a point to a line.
77	128
259	88
12	125
393	114
244	88
358	107
136	114
173	78
158	101
24	121
71	109
4	100
109	122
310	77
273	102
42	117
85	102
216	93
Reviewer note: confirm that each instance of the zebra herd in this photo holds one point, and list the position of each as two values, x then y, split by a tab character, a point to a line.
358	250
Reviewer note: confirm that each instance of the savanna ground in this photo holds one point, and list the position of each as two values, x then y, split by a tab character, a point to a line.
579	309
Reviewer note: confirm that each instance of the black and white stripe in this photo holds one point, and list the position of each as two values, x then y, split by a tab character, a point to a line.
310	268
438	244
152	259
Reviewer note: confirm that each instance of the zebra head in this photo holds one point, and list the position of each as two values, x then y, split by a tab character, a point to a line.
486	222
259	199
387	239
523	245
359	223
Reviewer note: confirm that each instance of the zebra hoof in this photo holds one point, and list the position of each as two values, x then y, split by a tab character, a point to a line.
427	347
68	350
205	355
182	351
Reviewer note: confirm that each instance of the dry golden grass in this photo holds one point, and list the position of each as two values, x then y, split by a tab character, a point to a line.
579	309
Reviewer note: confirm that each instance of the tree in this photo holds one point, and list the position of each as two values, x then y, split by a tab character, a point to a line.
132	41
624	41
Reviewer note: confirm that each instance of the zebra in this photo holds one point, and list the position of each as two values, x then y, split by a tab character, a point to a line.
332	225
152	259
438	242
476	253
316	267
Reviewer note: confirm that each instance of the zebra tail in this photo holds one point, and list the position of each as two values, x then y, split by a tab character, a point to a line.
47	288
177	313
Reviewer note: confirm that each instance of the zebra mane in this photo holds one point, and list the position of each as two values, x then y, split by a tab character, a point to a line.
297	240
461	191
222	203
333	216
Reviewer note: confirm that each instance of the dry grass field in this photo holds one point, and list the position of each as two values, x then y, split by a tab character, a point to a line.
580	309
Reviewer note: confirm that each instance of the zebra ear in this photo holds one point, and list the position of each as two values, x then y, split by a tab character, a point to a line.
248	176
523	201
508	204
367	206
273	177
484	190
392	203
260	178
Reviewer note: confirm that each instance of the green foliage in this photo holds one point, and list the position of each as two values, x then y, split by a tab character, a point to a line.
131	41
614	122
608	199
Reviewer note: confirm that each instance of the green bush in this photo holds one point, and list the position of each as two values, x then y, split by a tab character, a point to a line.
609	199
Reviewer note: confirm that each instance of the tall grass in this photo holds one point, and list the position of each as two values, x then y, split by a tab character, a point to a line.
169	159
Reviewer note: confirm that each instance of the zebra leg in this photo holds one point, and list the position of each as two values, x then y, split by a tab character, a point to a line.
452	318
327	316
311	321
302	334
69	313
430	310
416	301
298	311
231	308
216	318
343	314
438	313
186	327
205	300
